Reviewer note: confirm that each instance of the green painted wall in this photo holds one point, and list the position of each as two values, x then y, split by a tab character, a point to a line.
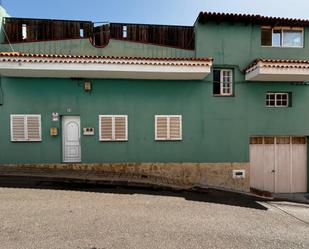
239	44
84	47
215	129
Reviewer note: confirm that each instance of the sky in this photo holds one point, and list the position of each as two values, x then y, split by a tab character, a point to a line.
178	12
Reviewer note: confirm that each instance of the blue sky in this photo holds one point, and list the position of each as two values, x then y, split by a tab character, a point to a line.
182	12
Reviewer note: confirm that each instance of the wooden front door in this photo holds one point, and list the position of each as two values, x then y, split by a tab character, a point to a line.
71	139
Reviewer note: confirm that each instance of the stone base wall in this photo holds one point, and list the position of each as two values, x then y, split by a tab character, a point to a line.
176	175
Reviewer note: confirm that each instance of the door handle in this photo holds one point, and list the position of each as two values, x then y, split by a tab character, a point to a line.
273	171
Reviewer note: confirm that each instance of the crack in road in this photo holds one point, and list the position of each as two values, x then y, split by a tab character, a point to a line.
289	214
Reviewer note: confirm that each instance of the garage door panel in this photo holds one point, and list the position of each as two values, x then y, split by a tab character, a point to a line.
279	164
269	167
256	170
283	168
299	169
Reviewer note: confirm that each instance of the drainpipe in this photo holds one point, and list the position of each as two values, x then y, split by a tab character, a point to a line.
1	92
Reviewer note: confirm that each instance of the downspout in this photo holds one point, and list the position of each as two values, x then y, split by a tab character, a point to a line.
1	92
307	166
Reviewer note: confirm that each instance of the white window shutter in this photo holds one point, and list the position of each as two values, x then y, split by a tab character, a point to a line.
175	123
18	128
26	128
33	127
106	128
120	128
161	127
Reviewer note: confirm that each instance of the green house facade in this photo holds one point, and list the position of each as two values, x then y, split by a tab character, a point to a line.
226	106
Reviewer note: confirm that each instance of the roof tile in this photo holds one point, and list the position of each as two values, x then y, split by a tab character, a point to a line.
248	18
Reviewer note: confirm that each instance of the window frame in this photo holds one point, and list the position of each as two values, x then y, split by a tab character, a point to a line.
113	128
24	31
231	87
81	32
275	99
168	138
282	29
25	116
125	32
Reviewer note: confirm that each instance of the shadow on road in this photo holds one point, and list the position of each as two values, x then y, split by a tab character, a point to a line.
200	195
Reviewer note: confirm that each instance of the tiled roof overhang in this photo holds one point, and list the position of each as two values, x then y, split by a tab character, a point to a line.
248	19
277	70
69	66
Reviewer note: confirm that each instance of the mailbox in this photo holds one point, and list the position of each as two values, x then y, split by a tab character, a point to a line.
88	131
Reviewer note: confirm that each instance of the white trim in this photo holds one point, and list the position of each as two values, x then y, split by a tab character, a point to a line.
25	117
168	138
104	68
275	99
278	71
113	128
222	82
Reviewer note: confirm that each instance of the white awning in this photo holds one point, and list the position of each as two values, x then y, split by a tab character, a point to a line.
278	70
103	67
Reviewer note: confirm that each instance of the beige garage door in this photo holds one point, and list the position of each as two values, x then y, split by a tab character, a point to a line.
278	164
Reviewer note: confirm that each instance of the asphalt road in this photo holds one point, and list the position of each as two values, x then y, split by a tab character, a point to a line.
87	217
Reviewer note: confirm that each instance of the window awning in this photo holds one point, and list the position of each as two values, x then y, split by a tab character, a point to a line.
107	67
278	70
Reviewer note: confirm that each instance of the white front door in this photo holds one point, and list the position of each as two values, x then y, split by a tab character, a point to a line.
278	164
71	139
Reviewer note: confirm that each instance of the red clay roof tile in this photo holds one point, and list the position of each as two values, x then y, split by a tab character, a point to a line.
247	18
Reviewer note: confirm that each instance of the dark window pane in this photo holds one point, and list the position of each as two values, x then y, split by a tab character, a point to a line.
284	103
266	35
216	82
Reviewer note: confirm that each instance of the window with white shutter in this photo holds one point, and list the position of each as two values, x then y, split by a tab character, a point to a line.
113	127
168	127
26	128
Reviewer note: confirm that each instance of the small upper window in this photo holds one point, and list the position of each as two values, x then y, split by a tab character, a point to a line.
81	32
223	82
24	31
125	32
282	37
277	100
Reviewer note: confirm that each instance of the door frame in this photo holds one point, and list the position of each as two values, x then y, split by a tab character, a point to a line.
63	140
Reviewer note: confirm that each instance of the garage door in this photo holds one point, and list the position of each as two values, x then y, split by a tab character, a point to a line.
278	164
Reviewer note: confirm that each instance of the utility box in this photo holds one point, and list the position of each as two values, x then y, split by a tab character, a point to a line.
238	174
88	131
